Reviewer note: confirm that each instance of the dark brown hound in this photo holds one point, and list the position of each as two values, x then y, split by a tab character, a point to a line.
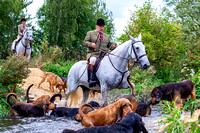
22	109
176	92
46	99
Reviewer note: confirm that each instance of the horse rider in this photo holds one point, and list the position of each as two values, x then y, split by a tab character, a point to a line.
97	42
21	29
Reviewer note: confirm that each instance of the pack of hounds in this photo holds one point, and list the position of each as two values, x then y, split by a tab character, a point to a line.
124	115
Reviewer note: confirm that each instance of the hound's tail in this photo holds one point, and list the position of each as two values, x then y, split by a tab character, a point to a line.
8	98
132	86
64	74
81	109
27	94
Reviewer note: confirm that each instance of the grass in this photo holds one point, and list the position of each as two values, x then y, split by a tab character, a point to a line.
174	119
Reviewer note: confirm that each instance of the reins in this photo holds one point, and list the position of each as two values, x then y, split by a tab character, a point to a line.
137	61
25	46
107	53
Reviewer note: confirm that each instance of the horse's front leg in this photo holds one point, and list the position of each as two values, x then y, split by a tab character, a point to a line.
104	93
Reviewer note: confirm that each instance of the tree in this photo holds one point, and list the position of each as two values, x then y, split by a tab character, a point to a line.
187	13
11	12
161	38
66	22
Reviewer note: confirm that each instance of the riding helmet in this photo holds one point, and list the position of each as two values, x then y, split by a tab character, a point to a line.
100	21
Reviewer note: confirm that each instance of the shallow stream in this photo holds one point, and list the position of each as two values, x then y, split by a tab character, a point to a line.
56	125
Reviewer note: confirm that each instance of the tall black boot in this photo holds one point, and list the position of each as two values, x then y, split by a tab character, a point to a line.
91	79
14	50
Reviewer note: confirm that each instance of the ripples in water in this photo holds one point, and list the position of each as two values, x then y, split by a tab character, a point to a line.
37	124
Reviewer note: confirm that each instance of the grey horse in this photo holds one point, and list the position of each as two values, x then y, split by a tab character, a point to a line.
23	47
112	72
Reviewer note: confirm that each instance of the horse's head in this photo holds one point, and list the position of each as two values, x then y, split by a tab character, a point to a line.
28	34
137	52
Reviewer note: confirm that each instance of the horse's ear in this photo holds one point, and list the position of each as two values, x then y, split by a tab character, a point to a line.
131	37
140	37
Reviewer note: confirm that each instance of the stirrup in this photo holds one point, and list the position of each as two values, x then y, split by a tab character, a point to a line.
14	51
92	83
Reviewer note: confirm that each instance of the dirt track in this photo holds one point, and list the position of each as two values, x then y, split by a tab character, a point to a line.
35	92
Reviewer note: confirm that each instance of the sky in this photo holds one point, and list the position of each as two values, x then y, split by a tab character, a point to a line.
121	10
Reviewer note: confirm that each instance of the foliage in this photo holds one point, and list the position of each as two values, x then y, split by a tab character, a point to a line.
45	54
161	38
58	69
175	118
144	81
66	22
193	57
196	81
13	70
11	12
187	14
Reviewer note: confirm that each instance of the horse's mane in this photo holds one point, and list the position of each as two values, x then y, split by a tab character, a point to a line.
121	46
26	29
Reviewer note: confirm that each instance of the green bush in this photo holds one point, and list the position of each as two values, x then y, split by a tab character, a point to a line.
13	70
58	69
46	54
175	120
196	80
144	81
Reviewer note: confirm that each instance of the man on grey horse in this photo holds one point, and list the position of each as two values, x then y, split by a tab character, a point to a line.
21	29
97	43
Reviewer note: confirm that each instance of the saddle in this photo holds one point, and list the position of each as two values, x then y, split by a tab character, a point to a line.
97	64
98	61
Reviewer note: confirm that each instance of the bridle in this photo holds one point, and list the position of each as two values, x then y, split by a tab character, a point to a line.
25	46
137	60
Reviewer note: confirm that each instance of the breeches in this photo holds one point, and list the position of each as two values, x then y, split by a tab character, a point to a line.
92	60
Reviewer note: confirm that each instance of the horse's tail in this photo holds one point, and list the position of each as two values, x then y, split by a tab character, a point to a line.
131	85
81	109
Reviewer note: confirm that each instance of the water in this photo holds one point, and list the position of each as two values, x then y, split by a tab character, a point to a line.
57	125
37	124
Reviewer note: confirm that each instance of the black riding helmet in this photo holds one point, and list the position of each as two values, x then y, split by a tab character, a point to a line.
23	19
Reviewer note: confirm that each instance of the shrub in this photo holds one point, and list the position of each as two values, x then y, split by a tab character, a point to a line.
58	69
13	70
144	81
196	80
45	54
175	119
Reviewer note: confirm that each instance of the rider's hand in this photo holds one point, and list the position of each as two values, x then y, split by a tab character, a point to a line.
93	45
116	45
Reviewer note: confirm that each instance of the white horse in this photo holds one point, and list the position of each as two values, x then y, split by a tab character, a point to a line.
112	72
23	47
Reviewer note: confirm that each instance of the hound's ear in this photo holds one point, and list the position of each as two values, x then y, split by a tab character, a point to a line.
140	37
119	113
116	100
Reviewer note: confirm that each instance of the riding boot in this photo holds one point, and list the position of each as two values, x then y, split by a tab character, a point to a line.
14	50
91	76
